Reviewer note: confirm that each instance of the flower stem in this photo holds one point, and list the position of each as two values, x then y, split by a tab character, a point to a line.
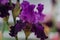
3	29
13	18
10	2
16	38
26	38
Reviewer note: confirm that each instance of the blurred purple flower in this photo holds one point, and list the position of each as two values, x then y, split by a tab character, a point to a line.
27	14
30	16
40	8
40	16
38	29
53	2
3	11
13	31
4	1
9	7
49	23
0	1
16	28
24	4
4	8
48	20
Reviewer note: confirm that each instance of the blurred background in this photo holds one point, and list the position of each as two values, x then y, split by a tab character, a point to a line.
49	9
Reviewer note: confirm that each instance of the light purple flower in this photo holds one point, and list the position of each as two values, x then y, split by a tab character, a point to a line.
24	4
4	1
27	14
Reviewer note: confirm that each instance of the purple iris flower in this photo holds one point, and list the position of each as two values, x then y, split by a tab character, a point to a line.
3	11
4	8
4	1
38	29
16	28
40	8
40	15
0	1
24	4
28	15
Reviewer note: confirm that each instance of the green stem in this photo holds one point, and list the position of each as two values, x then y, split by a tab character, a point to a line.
13	18
26	38
14	23
4	25
10	2
16	38
3	29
